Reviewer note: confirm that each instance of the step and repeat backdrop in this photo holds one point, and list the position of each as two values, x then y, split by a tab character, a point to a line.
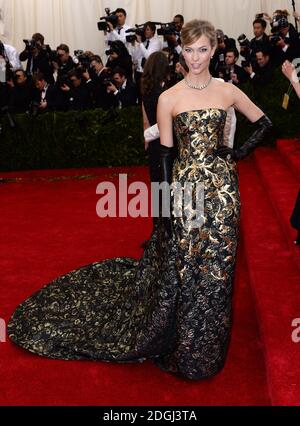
74	22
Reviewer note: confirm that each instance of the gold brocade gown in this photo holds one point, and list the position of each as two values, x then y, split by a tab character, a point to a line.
174	304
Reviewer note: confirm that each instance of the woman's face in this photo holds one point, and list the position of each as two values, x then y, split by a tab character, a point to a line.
198	55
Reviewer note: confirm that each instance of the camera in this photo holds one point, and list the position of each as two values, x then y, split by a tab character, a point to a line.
109	52
245	64
279	23
114	47
78	53
53	56
133	32
108	82
131	38
167	29
274	39
30	44
243	41
83	60
259	16
104	20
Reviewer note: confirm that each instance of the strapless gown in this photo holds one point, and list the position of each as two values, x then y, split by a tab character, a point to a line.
174	305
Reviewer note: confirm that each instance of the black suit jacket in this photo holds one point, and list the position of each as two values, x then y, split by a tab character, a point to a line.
128	96
40	63
21	97
263	44
101	99
279	56
263	75
80	97
51	98
242	76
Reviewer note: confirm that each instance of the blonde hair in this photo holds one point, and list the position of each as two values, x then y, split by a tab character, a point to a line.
197	28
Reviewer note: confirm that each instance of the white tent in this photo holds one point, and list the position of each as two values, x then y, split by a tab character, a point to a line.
74	21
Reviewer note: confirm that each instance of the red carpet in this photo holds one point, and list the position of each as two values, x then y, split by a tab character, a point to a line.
269	188
49	227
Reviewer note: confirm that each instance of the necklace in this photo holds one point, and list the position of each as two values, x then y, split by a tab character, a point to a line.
203	86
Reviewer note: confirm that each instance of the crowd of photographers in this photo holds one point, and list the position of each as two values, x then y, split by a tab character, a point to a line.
56	80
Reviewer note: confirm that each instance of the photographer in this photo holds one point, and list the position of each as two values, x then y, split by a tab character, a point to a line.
218	60
285	39
63	62
233	73
261	40
261	72
245	50
118	56
118	33
22	93
5	94
101	79
45	95
171	33
78	92
125	91
173	41
10	55
143	49
38	57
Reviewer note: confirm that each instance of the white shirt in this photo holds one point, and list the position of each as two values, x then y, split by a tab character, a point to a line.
285	48
13	57
44	93
123	87
140	52
114	35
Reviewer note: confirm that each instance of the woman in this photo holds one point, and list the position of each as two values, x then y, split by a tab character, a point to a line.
119	57
154	82
174	305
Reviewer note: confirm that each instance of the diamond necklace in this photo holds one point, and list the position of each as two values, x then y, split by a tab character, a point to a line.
203	86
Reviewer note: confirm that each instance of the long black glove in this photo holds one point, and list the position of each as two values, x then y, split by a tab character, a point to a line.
166	170
264	125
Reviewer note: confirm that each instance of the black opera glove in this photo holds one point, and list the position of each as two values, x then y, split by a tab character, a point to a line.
264	125
166	164
166	171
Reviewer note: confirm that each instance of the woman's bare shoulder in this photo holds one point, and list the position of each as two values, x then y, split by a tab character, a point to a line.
219	83
228	90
